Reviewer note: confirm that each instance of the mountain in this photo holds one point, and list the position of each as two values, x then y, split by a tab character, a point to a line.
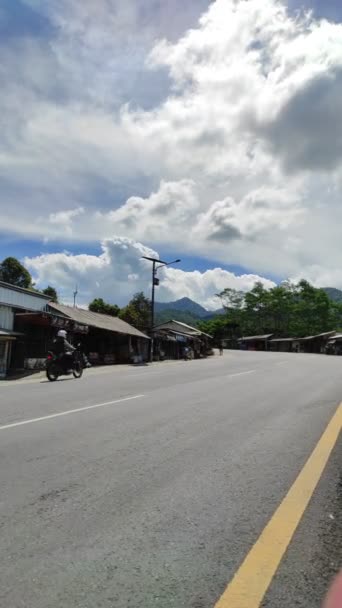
163	316
184	310
333	293
214	313
183	305
188	311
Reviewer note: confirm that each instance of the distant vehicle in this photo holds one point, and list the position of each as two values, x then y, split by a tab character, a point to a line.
64	366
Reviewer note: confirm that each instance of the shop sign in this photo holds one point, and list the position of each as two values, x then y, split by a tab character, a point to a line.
69	325
80	329
60	323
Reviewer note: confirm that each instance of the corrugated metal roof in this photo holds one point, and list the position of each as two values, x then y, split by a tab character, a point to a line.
181	328
284	340
186	326
325	334
95	319
264	337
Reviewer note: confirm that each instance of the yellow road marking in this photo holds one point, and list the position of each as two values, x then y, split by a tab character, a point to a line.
250	583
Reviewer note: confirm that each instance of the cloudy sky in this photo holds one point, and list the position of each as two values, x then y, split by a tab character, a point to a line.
209	131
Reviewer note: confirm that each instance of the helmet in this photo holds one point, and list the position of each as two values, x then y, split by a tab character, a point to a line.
62	333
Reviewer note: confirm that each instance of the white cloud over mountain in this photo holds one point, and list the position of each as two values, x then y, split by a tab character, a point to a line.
119	272
223	140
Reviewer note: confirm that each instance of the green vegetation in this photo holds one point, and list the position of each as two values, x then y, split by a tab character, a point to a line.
13	272
288	310
334	294
52	293
137	312
177	315
99	305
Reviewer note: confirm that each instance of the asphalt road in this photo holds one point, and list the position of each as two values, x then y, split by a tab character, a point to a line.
155	498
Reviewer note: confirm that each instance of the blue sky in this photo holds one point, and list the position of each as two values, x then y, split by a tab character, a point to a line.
126	124
19	19
328	9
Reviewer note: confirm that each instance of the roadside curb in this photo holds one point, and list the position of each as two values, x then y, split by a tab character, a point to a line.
94	371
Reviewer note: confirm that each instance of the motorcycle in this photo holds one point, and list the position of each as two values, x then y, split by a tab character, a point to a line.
57	366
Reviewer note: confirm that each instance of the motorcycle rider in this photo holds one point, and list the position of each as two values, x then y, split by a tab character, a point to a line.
63	349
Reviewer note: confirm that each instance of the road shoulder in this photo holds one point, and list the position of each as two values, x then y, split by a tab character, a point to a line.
315	555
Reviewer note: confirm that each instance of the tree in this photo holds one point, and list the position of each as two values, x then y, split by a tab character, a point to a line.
280	309
287	310
137	312
257	310
233	301
219	328
13	272
177	315
311	310
98	305
52	293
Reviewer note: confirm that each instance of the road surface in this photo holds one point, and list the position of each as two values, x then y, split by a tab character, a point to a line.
150	487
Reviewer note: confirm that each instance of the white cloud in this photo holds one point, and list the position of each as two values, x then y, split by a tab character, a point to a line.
227	135
258	213
64	219
321	277
202	287
119	272
108	275
154	218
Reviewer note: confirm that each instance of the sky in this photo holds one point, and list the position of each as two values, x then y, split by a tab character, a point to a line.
206	131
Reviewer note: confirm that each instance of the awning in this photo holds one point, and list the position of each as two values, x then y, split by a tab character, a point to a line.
6	334
166	337
46	319
178	335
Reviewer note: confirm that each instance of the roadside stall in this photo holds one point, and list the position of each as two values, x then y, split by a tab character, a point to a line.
316	344
285	345
174	339
255	342
7	338
105	339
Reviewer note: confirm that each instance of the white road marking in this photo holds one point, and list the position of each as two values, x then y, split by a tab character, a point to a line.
75	411
251	371
145	373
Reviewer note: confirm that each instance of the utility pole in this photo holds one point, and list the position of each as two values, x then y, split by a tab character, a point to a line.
75	295
155	283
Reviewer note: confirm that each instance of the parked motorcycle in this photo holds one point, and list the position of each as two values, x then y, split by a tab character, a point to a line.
57	366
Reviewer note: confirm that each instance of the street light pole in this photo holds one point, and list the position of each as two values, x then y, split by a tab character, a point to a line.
154	280
155	283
